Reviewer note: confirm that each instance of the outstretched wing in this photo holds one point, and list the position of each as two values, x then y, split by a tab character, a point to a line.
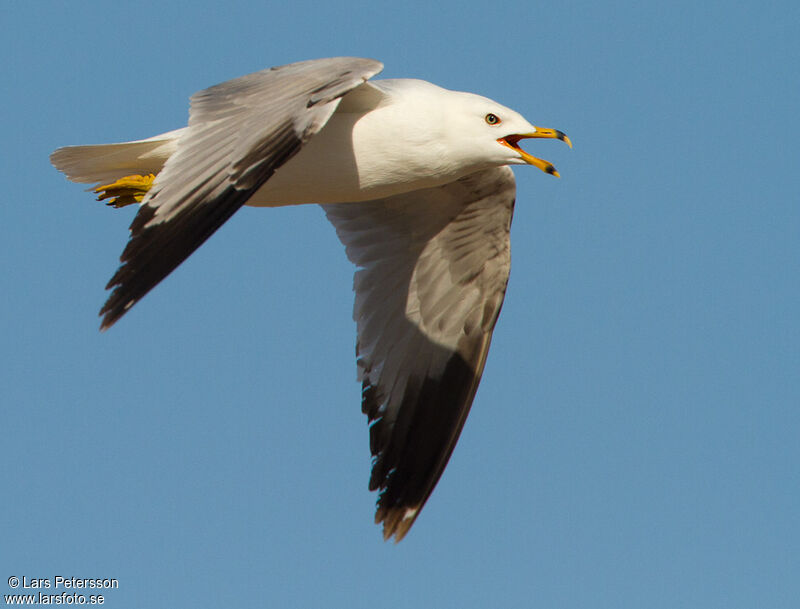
433	267
239	133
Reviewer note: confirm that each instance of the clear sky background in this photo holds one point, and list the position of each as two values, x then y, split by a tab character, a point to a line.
635	441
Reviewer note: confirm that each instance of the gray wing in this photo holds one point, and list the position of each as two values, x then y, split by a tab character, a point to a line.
239	133
433	267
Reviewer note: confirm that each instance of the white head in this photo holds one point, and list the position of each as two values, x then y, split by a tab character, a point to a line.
486	131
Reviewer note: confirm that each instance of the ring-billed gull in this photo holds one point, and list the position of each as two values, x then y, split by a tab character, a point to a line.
414	178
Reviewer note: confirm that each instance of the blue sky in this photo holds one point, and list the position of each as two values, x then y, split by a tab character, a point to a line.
634	442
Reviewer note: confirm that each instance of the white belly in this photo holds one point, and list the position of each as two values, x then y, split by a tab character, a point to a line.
357	157
324	171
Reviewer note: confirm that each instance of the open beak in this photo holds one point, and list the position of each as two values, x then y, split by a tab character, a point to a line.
512	142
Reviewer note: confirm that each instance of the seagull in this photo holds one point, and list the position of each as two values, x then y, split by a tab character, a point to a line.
416	182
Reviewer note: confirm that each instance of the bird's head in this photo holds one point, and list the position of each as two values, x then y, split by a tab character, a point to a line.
494	132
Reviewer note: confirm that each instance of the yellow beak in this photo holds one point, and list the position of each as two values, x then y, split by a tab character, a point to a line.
512	142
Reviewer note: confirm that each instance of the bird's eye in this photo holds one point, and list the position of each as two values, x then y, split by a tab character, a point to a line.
492	119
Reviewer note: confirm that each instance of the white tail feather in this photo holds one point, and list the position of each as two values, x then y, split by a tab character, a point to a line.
109	162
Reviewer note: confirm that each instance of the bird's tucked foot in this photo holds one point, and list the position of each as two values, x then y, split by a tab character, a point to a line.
125	191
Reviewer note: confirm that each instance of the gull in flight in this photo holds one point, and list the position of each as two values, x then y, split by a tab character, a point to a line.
415	180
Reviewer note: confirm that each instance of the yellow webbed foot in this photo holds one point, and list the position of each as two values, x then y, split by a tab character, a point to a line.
125	191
